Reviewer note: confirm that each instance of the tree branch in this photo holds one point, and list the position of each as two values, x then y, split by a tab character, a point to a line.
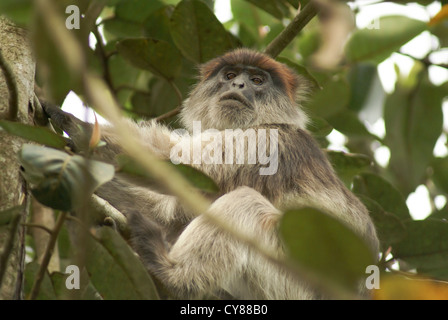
290	32
12	88
9	245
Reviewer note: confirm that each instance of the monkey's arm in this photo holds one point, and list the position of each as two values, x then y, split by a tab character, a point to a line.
123	192
152	136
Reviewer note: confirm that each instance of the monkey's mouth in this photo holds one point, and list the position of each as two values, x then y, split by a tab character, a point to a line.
234	99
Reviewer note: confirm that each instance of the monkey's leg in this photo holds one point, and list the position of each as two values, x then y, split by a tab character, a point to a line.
205	258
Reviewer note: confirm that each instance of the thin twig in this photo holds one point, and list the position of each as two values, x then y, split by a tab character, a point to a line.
426	61
47	255
171	113
178	93
104	59
40	226
292	30
131	88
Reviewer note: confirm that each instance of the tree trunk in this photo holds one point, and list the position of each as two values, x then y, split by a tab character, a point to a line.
17	69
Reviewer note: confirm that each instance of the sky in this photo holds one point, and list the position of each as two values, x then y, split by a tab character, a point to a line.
418	202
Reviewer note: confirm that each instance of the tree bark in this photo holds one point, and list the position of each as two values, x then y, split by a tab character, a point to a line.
17	70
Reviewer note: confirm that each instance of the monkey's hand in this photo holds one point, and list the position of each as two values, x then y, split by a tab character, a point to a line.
78	131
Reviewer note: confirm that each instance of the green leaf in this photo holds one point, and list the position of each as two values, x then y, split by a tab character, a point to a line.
52	64
140	104
413	121
136	10
347	165
197	32
440	30
361	77
114	269
62	181
376	44
425	247
119	28
85	292
46	291
249	18
440	214
309	42
384	193
277	8
37	134
163	98
123	74
302	71
157	56
440	173
197	178
348	123
19	11
389	227
319	126
325	245
332	99
157	24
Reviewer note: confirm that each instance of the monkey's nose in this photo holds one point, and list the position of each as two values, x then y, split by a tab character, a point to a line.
238	84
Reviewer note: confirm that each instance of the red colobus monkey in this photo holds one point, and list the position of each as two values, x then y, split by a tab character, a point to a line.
248	93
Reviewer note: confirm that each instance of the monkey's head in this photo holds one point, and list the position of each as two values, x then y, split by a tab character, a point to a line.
244	88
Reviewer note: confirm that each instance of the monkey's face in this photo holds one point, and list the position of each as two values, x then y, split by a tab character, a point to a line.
235	97
227	100
238	89
241	89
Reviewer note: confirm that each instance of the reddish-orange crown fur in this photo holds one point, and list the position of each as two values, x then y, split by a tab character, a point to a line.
280	73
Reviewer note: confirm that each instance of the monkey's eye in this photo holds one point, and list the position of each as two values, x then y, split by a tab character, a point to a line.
230	75
257	81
